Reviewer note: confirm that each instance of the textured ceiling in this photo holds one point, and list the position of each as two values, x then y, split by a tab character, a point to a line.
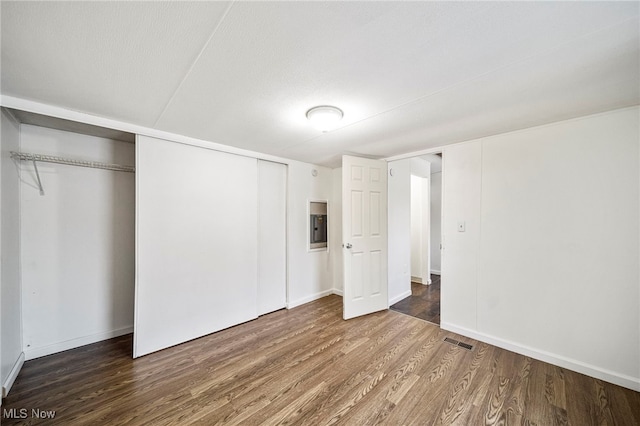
408	75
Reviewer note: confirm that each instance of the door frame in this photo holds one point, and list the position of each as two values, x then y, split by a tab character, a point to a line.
399	274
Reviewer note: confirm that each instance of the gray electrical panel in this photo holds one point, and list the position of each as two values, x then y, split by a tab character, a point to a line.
318	229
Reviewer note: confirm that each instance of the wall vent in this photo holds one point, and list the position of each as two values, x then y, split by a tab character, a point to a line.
457	343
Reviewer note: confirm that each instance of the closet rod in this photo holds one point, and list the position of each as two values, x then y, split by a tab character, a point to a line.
71	162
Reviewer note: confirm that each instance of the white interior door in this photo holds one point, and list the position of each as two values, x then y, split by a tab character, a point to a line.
272	236
364	236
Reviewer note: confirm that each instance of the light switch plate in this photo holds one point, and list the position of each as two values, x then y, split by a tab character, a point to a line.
460	226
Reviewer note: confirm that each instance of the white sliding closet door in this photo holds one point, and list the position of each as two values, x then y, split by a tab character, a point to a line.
272	228
196	242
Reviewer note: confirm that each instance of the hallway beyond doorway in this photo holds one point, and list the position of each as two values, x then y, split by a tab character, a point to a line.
424	302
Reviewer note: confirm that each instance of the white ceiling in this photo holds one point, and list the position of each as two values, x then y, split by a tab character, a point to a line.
408	75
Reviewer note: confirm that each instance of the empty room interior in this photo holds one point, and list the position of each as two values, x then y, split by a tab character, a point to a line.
320	212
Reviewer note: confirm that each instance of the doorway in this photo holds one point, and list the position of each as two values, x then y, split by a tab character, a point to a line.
424	302
425	255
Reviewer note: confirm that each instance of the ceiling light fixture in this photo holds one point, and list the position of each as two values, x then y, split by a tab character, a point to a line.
325	117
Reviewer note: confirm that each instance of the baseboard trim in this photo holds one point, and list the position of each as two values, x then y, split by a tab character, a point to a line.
309	298
434	272
416	279
337	292
13	374
623	380
399	297
34	353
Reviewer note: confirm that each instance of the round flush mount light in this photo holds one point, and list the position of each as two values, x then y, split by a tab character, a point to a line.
325	117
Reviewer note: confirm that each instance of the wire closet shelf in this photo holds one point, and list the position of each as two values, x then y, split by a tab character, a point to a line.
34	158
24	156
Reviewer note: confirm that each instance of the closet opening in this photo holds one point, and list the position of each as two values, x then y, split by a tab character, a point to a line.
77	201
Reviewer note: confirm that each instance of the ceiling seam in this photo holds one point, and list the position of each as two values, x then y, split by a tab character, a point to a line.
461	83
195	61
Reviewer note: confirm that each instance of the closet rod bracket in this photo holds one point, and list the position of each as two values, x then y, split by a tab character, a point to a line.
35	166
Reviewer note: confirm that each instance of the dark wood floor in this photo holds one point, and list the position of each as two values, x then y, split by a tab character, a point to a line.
424	302
309	366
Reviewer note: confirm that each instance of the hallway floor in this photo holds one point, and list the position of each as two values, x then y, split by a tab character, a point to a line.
424	302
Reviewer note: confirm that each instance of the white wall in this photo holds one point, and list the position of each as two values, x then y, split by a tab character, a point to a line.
77	243
310	275
420	230
436	221
548	264
461	203
420	167
399	238
11	356
416	228
420	220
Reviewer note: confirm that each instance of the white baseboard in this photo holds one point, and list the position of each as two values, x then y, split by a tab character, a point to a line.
337	292
33	353
399	297
13	374
416	279
309	298
434	272
561	361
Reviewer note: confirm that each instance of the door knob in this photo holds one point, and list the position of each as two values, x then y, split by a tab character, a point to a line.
349	246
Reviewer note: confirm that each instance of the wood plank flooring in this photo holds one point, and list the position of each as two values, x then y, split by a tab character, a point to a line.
308	366
424	302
